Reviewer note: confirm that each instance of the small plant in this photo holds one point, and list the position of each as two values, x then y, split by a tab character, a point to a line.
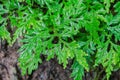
69	29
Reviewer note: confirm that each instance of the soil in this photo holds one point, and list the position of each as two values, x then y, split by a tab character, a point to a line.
48	70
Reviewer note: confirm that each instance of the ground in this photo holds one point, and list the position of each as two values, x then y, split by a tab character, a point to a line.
48	70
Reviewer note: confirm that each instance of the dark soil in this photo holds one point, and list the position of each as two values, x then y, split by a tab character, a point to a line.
48	70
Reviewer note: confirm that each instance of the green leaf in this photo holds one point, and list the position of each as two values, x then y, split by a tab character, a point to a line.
4	34
107	3
80	58
78	71
117	6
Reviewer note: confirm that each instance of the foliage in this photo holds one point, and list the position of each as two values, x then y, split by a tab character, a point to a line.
69	29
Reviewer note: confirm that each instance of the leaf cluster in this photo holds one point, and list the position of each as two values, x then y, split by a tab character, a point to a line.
86	31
